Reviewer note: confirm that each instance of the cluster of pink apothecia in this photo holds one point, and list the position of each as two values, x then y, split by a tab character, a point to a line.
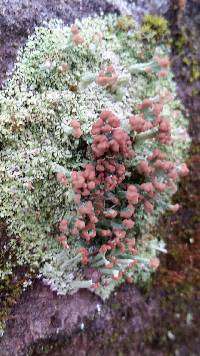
139	124
109	138
163	66
104	196
108	76
76	37
76	128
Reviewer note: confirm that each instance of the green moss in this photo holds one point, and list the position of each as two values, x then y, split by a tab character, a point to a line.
48	346
193	65
195	72
186	61
175	319
181	41
13	278
156	25
194	148
125	23
116	306
10	292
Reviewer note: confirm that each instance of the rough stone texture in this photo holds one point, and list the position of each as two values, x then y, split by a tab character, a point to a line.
141	7
164	320
41	312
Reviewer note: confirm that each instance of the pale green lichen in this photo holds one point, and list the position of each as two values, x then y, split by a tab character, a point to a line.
53	82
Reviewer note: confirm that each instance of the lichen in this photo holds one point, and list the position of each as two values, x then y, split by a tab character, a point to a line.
71	75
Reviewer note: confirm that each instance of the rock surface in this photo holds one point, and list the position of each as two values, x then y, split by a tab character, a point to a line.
141	7
41	314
